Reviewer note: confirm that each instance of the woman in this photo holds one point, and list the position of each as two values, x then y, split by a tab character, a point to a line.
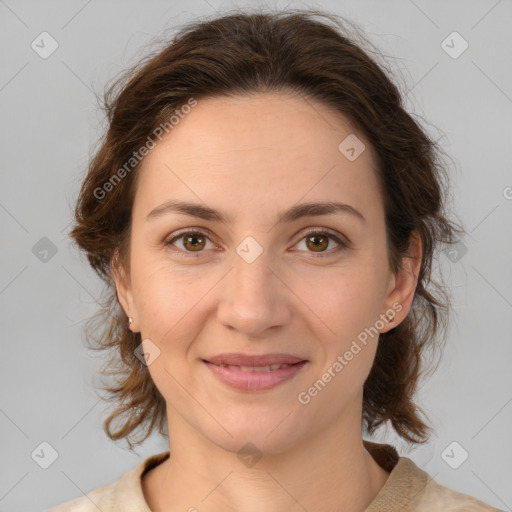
264	214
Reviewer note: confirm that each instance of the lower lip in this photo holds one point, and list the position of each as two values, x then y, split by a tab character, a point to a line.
254	381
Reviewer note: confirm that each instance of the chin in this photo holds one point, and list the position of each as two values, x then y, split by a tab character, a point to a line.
249	445
254	439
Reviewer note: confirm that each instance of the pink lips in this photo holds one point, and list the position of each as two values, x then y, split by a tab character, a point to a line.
227	367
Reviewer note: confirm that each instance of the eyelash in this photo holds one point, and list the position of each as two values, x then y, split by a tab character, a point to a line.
328	234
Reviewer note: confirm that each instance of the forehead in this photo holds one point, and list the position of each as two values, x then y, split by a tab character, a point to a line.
261	149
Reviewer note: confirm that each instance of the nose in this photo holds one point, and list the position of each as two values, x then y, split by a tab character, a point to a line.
254	297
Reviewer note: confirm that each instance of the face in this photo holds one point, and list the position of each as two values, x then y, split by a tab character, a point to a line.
252	280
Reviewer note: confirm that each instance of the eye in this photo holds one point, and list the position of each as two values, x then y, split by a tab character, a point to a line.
193	242
319	239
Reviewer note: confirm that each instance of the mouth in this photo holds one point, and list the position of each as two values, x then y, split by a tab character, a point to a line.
254	361
269	368
252	375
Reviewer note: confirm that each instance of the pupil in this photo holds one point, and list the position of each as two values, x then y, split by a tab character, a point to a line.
317	238
195	238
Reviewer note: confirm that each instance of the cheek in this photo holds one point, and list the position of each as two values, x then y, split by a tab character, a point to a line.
347	299
350	309
348	302
166	295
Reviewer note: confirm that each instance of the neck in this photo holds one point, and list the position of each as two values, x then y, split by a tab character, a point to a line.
329	471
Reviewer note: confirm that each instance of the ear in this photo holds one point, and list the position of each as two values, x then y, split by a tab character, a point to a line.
124	291
403	284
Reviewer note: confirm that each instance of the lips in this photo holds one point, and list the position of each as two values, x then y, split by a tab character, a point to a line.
257	376
268	368
252	373
258	362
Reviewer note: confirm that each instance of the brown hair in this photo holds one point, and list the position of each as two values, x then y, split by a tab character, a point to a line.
306	52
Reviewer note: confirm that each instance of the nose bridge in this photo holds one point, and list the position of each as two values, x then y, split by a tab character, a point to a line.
253	298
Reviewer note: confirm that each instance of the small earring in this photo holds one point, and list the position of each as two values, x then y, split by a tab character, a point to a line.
130	320
390	318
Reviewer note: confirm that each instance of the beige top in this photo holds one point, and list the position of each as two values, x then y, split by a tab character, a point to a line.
408	489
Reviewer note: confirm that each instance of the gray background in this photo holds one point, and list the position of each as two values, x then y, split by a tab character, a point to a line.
50	123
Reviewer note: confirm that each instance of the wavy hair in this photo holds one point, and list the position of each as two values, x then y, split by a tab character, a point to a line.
317	55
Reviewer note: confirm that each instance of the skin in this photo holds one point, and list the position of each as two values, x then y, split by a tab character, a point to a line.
252	157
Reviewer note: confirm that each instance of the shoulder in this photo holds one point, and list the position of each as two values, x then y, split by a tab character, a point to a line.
409	488
439	497
123	495
102	498
427	495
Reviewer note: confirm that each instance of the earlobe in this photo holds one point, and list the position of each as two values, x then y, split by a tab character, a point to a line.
400	298
124	291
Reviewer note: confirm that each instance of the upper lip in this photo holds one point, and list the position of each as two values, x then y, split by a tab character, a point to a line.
238	359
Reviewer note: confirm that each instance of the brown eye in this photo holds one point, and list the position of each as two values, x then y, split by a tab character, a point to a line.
194	242
319	242
191	242
316	242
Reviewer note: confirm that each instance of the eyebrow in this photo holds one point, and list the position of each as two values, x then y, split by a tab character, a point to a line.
294	213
